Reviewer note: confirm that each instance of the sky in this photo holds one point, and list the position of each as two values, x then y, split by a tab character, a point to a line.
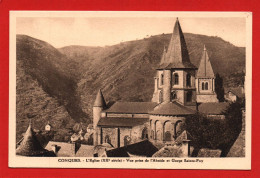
102	31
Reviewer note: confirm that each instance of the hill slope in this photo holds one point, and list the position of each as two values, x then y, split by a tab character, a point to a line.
125	71
70	77
52	70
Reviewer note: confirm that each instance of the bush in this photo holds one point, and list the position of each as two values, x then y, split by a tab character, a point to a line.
216	133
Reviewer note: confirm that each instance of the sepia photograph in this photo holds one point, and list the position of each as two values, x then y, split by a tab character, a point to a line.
130	89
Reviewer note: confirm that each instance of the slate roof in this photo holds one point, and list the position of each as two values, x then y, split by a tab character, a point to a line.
144	148
205	68
121	122
172	109
100	101
30	145
131	107
177	55
213	108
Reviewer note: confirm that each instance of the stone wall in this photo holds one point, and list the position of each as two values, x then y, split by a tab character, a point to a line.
207	98
165	128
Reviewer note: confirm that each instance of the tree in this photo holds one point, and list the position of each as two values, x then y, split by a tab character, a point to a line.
219	87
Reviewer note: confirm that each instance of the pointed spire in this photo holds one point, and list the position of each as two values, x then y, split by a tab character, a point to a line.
163	56
205	68
100	101
177	55
30	146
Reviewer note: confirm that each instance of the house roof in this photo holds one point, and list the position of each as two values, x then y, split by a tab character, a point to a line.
100	101
213	108
177	55
131	107
205	152
169	151
121	122
237	91
185	136
68	149
30	146
205	68
172	109
85	151
144	148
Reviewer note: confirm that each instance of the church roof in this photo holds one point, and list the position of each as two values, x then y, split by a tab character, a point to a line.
30	146
100	101
205	68
131	107
177	55
121	122
172	109
213	108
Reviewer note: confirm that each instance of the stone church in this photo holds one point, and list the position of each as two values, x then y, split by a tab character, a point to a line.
181	89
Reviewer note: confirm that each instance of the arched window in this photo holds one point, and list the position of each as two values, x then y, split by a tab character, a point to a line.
145	133
206	86
189	96
167	136
188	80
176	79
161	79
203	88
160	97
178	128
174	96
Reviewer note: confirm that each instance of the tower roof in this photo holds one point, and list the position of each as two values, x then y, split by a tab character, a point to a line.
172	109
205	68
30	146
100	101
177	55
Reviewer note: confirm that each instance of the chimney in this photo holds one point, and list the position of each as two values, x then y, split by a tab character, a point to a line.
185	148
54	148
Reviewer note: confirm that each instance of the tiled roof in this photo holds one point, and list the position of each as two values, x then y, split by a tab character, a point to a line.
131	107
213	108
205	152
85	151
177	55
122	122
172	109
238	92
185	136
169	151
30	146
68	149
100	101
143	148
205	68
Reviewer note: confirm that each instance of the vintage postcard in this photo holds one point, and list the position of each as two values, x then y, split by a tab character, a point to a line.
153	90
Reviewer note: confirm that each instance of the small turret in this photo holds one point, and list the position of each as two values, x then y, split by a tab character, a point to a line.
30	146
98	107
205	80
